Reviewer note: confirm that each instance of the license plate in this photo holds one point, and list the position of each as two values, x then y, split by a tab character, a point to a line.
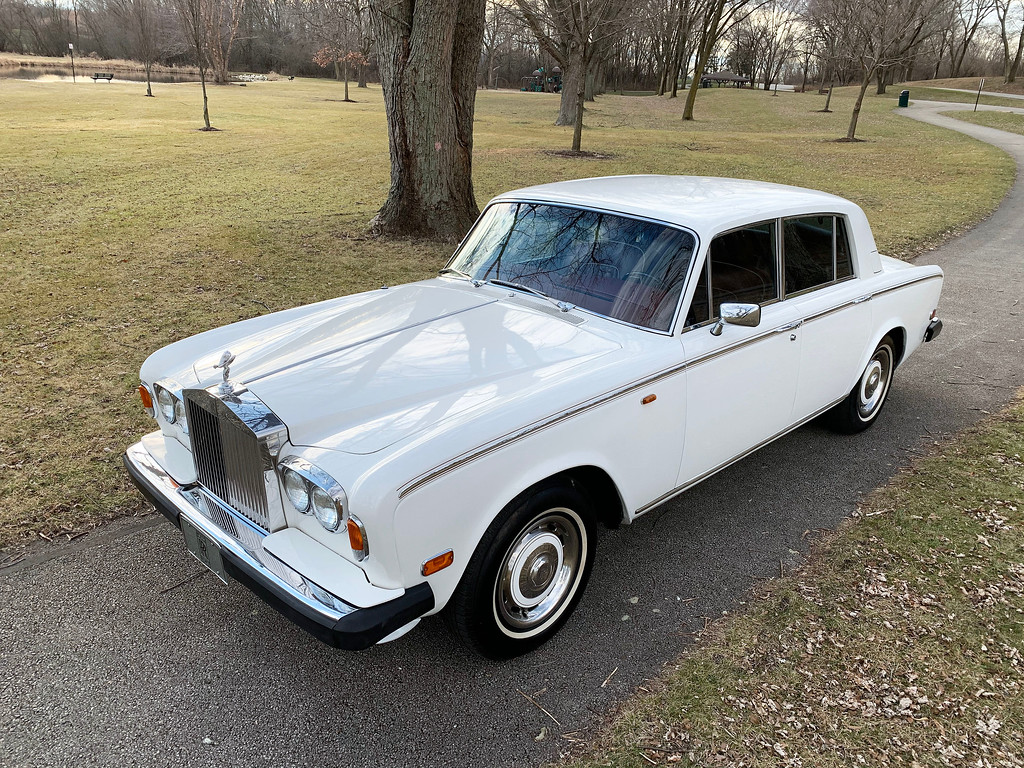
204	549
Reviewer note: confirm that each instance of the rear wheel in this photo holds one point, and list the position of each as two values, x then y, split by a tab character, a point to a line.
861	407
527	574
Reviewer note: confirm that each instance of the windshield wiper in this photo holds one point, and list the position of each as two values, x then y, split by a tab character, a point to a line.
562	305
460	273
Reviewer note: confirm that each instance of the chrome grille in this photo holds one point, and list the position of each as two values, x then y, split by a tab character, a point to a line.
228	456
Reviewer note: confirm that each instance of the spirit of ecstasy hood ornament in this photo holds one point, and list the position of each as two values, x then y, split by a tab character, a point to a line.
226	359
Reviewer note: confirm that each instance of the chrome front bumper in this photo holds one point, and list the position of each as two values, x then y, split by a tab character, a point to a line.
327	616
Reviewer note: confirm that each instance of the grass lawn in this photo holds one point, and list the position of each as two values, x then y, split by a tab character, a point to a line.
1004	121
899	643
122	228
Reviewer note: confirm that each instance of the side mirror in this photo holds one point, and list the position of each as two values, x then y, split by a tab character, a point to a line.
748	315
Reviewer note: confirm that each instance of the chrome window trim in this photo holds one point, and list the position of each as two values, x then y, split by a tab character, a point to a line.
613	212
711	272
835	256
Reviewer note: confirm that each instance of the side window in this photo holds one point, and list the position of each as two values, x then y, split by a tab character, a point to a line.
743	266
699	306
844	263
807	245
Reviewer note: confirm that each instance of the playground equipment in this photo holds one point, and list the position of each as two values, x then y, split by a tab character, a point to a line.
542	82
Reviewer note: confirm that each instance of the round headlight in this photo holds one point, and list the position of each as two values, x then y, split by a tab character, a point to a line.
325	509
297	490
179	415
165	400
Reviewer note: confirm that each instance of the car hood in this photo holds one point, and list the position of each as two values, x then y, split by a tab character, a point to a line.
363	375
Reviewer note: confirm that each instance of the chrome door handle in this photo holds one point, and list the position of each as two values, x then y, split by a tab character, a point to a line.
862	299
790	327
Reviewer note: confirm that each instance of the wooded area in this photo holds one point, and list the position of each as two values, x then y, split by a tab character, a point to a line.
431	56
650	45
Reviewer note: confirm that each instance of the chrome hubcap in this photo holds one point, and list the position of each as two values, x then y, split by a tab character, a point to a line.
874	383
540	571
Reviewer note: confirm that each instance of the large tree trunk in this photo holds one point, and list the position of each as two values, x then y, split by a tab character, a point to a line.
428	57
851	133
571	79
577	124
149	68
880	81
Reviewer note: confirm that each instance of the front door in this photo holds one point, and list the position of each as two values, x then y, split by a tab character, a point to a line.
741	385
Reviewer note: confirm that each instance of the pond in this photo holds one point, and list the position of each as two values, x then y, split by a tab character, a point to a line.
63	74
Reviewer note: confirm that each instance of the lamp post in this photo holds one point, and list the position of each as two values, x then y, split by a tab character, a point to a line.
71	47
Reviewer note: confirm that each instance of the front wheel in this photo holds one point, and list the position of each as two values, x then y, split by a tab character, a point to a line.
527	574
862	406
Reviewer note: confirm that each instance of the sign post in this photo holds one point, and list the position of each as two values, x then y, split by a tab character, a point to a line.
978	97
71	47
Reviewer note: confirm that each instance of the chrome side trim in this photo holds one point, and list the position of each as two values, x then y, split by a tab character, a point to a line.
700	478
557	418
549	421
234	533
905	284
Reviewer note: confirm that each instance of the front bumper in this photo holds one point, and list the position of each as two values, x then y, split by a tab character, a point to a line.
328	617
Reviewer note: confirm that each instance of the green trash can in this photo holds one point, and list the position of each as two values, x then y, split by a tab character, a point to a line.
904	98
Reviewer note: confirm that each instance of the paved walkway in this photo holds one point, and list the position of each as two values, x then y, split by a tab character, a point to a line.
996	94
119	650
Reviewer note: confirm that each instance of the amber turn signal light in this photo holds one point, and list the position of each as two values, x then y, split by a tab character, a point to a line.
439	562
147	399
355	536
649	399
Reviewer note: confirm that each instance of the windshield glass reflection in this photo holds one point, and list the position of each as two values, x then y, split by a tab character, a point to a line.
629	270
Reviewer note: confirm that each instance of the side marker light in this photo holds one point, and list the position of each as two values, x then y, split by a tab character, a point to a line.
438	562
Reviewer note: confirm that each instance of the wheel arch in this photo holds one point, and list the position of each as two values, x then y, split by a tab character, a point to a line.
598	488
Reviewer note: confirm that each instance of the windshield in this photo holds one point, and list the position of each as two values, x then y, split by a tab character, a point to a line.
615	266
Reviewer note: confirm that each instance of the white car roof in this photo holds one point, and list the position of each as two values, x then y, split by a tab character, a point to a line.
704	204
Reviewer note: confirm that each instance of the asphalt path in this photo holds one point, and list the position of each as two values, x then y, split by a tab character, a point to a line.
997	94
119	650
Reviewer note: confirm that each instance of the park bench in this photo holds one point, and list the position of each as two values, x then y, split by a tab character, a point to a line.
108	76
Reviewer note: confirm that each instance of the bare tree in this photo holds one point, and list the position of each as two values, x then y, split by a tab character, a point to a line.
575	33
140	17
428	55
220	20
193	15
763	42
967	18
880	34
1011	61
717	18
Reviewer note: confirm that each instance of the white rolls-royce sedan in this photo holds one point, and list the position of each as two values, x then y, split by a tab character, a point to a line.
592	349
